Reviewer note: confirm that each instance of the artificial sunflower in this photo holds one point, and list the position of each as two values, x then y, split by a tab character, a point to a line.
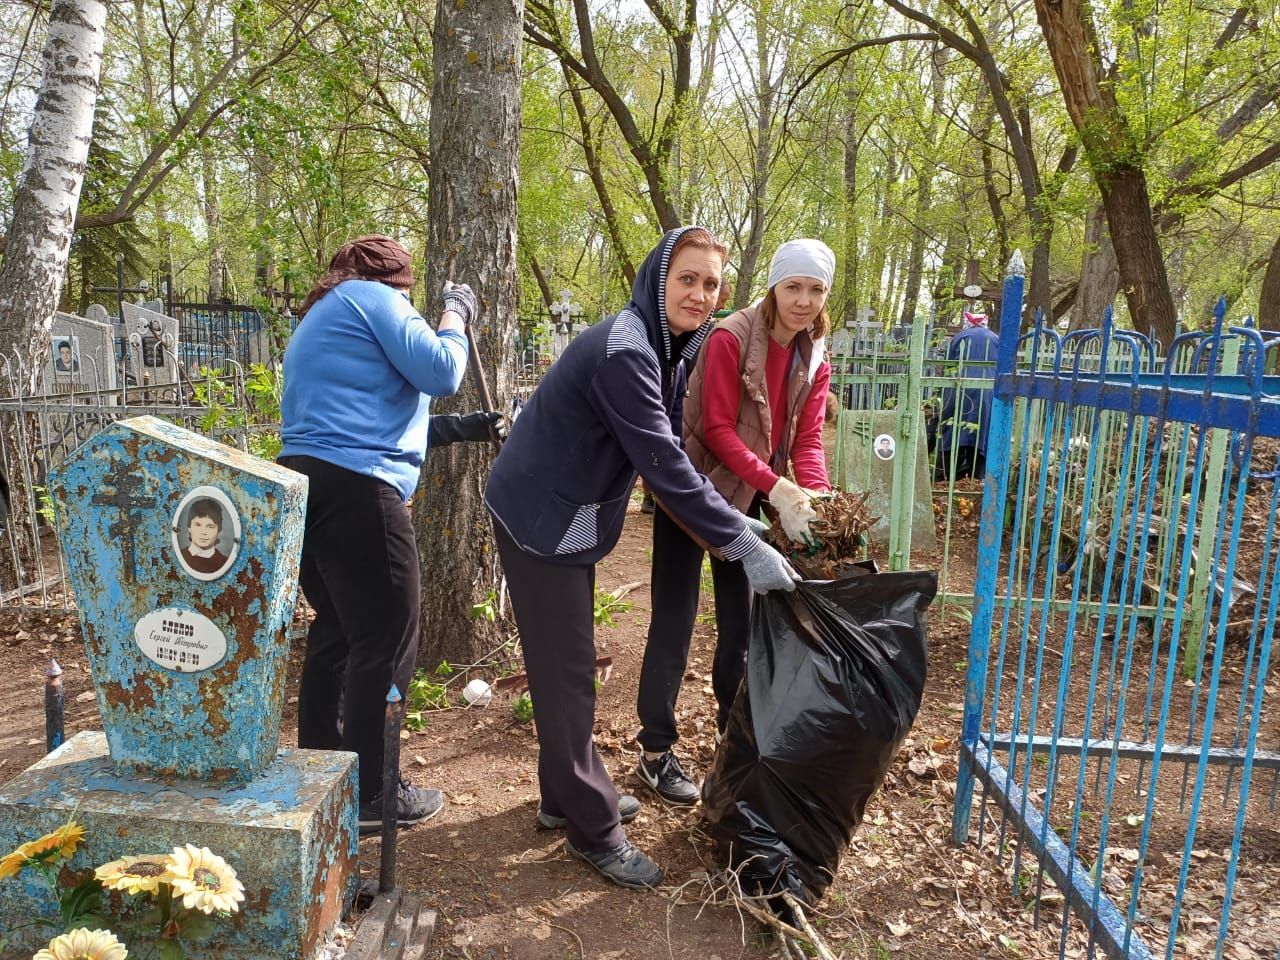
84	945
12	863
135	874
204	880
58	845
61	843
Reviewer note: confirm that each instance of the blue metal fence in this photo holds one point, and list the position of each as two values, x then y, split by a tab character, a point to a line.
1118	733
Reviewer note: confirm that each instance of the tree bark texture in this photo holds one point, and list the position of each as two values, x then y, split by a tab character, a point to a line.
1099	274
1269	296
474	143
44	208
1116	162
851	255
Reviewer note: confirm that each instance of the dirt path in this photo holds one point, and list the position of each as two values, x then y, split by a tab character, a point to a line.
503	889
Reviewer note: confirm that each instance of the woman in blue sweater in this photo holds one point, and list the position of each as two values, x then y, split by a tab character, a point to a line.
558	493
359	375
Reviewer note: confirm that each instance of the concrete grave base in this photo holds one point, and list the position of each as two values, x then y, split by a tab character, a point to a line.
290	834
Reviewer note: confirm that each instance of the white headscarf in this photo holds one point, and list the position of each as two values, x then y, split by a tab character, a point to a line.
803	258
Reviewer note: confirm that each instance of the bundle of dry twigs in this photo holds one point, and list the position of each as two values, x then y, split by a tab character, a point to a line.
841	534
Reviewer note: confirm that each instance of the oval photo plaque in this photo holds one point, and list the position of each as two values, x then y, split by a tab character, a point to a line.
180	640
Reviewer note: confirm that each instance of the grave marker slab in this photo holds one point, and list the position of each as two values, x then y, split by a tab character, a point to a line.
184	554
152	345
82	356
195	554
869	465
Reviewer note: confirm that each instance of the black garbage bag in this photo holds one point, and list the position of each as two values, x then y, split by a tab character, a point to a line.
834	678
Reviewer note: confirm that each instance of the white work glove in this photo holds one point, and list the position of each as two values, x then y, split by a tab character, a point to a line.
767	569
758	527
459	298
794	509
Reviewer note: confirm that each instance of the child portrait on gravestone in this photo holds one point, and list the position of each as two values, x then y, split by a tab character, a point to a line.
753	414
206	533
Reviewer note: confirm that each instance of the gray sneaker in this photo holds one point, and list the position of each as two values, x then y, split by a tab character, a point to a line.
628	810
665	777
626	865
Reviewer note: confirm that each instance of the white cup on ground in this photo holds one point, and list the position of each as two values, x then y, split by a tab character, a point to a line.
477	693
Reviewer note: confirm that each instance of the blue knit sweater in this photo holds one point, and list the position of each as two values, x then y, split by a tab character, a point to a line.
359	373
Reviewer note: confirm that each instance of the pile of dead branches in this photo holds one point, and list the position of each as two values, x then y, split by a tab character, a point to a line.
840	534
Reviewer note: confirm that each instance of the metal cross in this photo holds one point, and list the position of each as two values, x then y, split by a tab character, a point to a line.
127	497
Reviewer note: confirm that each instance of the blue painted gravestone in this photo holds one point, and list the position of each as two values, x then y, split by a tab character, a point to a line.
183	554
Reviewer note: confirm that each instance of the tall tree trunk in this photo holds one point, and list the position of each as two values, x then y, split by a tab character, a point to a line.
882	237
850	267
1116	159
474	144
212	208
44	206
762	163
39	239
1269	296
1099	274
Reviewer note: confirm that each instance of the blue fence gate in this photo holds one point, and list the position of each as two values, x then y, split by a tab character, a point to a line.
1121	741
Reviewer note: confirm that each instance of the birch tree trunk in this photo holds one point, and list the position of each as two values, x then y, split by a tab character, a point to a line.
474	142
44	207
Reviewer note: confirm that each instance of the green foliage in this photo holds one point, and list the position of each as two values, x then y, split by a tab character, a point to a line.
427	691
486	609
522	708
606	605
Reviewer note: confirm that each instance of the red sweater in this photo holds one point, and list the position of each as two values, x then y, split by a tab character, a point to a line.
722	397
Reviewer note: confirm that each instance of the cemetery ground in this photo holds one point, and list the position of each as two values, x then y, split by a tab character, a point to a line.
502	889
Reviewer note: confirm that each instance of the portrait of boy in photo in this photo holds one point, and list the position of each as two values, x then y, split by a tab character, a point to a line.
65	361
204	527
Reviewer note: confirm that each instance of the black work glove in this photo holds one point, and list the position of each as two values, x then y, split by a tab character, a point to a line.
446	428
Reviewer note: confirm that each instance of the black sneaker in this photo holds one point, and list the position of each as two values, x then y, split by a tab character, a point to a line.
625	865
628	810
413	805
667	779
646	503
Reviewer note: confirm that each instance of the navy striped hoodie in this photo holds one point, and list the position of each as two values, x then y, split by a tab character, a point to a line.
602	413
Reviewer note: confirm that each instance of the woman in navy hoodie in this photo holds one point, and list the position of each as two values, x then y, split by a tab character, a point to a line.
558	494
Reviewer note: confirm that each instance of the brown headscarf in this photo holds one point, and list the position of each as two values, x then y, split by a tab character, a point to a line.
375	257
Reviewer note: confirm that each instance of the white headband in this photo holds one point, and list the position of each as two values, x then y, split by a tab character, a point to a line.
803	258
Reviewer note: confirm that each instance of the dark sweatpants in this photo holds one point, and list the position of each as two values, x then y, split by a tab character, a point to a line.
554	606
360	574
674	585
970	462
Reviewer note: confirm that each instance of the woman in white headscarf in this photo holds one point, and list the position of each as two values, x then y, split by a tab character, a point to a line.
753	415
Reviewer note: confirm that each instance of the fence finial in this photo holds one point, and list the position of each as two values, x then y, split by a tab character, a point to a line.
1017	266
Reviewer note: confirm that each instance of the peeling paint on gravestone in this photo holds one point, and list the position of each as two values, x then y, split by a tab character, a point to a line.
183	554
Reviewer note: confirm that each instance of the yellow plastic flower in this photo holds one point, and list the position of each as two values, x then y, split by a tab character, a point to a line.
135	874
60	844
204	880
84	945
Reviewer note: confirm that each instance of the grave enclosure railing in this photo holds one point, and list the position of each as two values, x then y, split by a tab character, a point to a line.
1118	740
40	427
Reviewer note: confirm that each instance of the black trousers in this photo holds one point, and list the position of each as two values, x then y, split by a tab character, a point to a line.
970	462
360	573
674	585
554	606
